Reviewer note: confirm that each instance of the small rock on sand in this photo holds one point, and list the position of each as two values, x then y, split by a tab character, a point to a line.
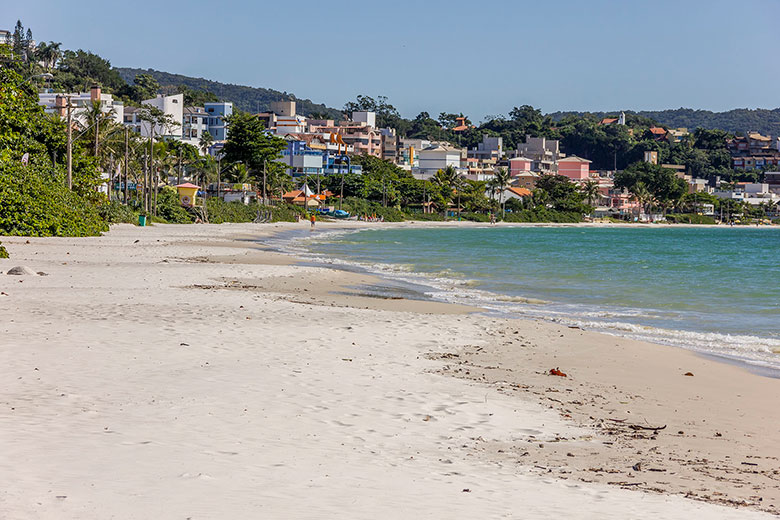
21	270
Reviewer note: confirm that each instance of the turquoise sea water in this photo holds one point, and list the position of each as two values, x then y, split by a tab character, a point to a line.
713	290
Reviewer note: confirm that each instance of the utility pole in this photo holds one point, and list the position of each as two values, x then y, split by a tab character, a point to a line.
180	147
97	131
127	139
146	182
264	165
151	166
70	147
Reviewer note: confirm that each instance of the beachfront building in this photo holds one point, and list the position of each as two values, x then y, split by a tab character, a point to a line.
753	193
390	145
194	125
575	168
542	151
437	157
217	112
171	106
57	103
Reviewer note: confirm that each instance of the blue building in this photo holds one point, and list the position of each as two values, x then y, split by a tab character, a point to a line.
217	112
303	160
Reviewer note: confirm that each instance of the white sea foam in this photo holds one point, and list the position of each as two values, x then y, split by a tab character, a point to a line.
446	286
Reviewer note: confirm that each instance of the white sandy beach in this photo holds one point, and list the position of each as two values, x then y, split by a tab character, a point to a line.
173	372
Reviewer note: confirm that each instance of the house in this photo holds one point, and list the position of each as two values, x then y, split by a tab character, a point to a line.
542	151
526	179
658	133
514	193
437	157
575	168
520	164
675	135
304	197
57	103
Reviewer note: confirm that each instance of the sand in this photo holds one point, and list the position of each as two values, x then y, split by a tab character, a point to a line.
175	372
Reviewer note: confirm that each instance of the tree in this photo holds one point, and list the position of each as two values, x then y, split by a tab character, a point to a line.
249	143
560	194
79	70
501	179
205	142
386	114
48	54
642	195
663	183
591	191
144	87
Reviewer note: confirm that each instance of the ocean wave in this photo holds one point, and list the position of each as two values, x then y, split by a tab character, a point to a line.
454	287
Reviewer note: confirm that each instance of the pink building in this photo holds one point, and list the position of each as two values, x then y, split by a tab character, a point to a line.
575	168
519	165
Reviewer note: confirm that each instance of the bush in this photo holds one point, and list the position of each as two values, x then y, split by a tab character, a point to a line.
360	207
689	218
3	252
425	217
34	203
169	209
542	214
117	213
220	212
476	217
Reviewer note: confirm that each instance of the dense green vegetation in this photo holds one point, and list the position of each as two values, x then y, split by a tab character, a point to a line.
739	120
34	199
248	99
220	212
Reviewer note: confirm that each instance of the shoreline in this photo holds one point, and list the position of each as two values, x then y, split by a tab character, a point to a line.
494	305
349	385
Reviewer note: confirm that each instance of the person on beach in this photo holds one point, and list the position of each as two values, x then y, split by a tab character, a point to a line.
313	220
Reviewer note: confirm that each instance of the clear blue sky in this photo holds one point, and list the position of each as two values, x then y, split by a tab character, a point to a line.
474	57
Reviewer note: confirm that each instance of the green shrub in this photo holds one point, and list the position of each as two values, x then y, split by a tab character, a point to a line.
220	212
115	212
542	214
3	252
362	207
475	217
35	203
169	209
689	218
425	217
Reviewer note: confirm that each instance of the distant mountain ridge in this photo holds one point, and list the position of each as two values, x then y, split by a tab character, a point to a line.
739	120
248	99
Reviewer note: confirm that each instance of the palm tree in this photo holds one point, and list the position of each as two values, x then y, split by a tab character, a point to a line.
448	179
206	140
642	195
48	54
591	191
501	179
238	173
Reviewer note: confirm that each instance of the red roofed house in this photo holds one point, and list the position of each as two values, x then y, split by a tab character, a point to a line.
516	193
575	168
658	133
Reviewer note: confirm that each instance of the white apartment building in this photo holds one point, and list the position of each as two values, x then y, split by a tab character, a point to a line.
195	124
436	157
57	103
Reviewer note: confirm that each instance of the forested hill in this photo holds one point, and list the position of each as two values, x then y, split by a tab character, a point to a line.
738	120
249	99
